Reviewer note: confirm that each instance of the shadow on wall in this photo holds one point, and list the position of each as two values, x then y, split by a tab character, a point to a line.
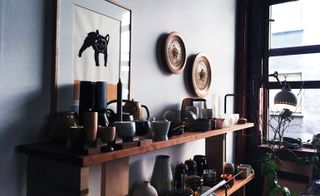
159	51
26	120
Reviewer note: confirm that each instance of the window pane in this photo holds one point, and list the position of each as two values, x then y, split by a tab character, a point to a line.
304	124
295	24
308	65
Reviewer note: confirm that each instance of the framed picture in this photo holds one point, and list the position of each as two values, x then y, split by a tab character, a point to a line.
93	41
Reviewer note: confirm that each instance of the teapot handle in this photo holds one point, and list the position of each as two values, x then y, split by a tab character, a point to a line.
115	101
147	110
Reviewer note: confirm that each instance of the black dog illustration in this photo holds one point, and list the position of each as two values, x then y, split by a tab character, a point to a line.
99	45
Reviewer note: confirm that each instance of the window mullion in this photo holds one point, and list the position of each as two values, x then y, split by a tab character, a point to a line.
294	50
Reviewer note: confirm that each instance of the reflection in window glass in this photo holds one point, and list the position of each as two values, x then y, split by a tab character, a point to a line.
304	124
306	64
298	26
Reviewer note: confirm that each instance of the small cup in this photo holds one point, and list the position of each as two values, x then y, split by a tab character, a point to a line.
125	129
236	118
107	134
219	123
160	129
142	127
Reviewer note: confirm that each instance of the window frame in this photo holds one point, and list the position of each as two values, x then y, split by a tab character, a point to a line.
284	51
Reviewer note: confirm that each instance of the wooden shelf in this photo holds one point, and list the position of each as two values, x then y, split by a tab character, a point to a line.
240	183
59	153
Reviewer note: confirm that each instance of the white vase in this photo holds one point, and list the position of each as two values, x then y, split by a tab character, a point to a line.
145	189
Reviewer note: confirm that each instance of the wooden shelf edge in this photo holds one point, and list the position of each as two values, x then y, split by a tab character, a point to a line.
236	186
49	151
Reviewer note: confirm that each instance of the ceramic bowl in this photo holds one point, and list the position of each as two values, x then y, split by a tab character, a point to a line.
107	134
160	129
125	129
142	127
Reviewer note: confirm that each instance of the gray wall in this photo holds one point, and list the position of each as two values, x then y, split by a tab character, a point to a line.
25	57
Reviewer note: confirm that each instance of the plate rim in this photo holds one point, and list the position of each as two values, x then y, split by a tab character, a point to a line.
171	36
201	92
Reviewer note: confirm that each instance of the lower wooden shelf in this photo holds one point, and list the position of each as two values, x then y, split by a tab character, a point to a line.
238	184
74	169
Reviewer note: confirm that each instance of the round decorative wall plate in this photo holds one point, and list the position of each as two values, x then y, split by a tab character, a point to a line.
201	75
175	53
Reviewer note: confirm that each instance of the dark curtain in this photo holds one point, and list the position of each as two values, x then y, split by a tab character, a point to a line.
250	39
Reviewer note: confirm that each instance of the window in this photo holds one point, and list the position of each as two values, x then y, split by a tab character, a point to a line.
294	52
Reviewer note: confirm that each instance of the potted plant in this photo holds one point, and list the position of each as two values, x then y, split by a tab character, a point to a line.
269	161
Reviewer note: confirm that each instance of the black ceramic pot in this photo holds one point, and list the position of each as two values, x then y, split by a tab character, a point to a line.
180	171
202	163
192	167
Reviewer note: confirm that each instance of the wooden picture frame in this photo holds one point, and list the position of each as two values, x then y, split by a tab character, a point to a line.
76	21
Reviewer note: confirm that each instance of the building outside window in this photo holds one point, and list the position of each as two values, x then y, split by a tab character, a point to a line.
294	52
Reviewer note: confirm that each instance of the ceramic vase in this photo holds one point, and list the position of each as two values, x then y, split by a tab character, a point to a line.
162	178
145	189
86	102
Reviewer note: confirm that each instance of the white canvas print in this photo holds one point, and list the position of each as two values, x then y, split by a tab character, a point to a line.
96	46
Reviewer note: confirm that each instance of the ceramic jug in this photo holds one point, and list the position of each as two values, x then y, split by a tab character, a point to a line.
162	178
